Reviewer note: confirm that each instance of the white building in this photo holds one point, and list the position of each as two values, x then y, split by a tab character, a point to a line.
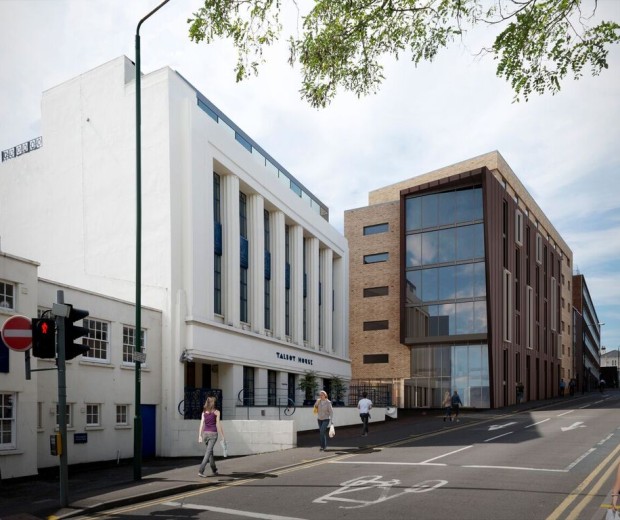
239	256
99	387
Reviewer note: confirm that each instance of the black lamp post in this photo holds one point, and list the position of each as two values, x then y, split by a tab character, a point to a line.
137	432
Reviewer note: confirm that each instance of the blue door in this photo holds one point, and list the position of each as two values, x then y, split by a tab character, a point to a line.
149	438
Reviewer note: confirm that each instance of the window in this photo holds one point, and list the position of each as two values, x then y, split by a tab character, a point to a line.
69	415
245	247
248	386
7	420
217	238
93	415
122	415
376	228
370	292
376	358
7	295
377	257
267	288
97	339
507	306
129	343
376	325
554	304
519	227
529	317
539	248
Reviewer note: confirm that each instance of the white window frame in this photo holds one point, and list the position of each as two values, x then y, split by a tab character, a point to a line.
8	400
518	227
69	412
539	248
7	301
129	346
118	412
100	344
507	306
93	415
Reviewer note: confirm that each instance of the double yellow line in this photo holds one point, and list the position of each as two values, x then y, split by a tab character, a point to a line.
609	466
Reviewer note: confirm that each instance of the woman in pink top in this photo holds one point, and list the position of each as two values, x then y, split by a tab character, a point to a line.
210	426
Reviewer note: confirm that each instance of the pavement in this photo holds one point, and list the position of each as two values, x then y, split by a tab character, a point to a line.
97	487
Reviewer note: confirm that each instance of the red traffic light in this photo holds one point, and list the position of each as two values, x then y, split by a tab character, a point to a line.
44	338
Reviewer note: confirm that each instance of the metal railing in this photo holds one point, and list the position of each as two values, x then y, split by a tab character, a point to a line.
20	149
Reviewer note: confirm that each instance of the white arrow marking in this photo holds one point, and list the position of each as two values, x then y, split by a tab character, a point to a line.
500	426
574	426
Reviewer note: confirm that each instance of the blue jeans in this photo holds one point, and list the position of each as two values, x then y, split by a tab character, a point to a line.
323	425
210	438
364	417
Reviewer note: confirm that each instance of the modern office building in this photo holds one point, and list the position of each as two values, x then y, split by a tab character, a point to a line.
587	336
458	281
238	255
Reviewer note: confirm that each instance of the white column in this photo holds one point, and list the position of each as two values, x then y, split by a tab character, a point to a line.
312	292
278	269
327	273
296	244
256	271
230	246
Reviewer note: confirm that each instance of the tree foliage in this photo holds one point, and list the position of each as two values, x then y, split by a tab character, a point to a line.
342	42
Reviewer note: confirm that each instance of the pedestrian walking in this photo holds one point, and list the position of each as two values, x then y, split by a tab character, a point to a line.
520	392
364	405
615	500
447	404
571	387
562	386
324	416
210	427
456	403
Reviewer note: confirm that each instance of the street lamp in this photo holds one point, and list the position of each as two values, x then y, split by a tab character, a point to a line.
137	430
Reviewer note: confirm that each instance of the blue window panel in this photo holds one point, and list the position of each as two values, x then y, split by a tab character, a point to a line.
287	276
243	142
244	252
267	265
209	112
217	239
4	357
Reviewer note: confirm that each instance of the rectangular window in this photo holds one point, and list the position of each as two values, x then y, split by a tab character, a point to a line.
97	339
370	292
507	307
69	415
129	343
248	386
377	257
376	228
267	240
93	415
217	264
529	317
287	282
7	420
554	305
243	270
376	325
122	415
539	248
376	358
519	227
7	295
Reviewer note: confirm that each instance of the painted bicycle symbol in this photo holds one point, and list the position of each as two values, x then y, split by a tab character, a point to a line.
364	486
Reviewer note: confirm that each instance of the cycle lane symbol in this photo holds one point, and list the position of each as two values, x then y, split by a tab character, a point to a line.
372	490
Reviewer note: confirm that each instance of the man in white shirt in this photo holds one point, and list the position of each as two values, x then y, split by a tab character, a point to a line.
364	407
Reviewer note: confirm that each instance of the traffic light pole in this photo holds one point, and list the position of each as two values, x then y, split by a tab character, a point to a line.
62	403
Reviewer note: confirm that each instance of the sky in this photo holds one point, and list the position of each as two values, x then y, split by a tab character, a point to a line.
564	148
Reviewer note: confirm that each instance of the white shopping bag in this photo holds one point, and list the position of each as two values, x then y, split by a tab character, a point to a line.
224	445
332	430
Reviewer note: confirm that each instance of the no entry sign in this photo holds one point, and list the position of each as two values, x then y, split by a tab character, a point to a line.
17	333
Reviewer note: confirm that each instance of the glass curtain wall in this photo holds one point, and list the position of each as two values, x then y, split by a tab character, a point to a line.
445	296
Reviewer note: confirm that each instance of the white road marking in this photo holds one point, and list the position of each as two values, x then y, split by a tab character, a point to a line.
227	511
447	454
565	413
579	459
517	468
574	426
386	463
498	436
536	423
603	441
500	426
